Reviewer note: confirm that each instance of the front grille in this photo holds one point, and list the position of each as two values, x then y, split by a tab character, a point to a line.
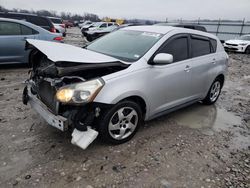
231	44
231	49
47	94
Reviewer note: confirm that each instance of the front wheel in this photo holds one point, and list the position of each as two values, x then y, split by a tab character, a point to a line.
214	92
121	122
247	51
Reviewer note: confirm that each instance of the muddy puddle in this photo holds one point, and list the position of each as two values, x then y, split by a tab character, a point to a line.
210	120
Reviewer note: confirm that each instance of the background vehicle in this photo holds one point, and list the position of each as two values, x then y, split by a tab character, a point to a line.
68	23
94	34
85	23
97	26
13	35
191	26
59	25
107	82
187	26
242	44
32	18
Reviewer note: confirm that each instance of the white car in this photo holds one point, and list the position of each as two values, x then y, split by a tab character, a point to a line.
59	25
242	44
86	23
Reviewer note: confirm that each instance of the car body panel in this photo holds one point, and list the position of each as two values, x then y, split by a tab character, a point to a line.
64	52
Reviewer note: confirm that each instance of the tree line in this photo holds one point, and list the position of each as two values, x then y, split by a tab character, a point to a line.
63	15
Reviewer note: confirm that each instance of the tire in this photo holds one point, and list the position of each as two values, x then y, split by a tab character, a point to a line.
89	38
247	51
214	92
118	129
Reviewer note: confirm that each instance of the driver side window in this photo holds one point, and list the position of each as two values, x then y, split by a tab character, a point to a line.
178	47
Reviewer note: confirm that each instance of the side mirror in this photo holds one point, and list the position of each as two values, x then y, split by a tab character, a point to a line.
163	58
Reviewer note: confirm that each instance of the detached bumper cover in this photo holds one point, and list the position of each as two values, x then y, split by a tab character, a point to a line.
56	121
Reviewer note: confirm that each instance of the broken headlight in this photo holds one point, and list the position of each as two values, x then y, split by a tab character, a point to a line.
80	93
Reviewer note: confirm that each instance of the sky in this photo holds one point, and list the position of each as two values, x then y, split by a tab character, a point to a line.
143	9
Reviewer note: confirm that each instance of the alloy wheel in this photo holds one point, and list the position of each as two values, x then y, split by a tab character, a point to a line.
123	123
215	91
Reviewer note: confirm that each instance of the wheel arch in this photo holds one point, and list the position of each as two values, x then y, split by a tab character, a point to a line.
139	100
221	77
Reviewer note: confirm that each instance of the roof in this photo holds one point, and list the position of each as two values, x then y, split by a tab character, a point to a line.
166	29
22	13
153	29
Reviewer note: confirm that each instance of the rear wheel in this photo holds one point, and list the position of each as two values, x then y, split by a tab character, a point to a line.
214	92
121	122
247	51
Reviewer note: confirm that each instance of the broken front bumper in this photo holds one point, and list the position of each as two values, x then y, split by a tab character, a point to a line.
56	121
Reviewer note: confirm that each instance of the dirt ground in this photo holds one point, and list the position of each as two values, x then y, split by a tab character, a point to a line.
199	146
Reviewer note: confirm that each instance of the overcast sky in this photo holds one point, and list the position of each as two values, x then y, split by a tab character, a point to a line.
148	9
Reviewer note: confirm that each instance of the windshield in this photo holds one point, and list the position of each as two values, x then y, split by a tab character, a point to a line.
97	24
246	37
125	45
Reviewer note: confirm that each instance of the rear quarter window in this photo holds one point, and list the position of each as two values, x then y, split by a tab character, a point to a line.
27	31
214	45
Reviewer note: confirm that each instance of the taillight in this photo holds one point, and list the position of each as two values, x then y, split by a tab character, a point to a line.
53	30
62	25
58	38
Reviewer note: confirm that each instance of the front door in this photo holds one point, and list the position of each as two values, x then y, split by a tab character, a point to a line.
172	81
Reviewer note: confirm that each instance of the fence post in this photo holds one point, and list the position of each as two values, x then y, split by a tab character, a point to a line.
218	28
242	26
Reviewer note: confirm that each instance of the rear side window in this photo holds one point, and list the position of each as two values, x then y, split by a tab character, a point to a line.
10	28
200	47
27	31
214	45
178	48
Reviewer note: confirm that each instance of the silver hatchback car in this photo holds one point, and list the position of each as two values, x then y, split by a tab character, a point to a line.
124	78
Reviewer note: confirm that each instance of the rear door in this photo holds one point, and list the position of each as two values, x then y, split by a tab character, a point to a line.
202	60
12	42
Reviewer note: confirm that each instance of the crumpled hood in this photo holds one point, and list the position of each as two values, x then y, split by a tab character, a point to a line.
237	41
58	52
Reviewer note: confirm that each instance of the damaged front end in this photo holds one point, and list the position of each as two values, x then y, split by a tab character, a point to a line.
62	92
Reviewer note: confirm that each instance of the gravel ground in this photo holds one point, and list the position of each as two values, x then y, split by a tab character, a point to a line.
199	146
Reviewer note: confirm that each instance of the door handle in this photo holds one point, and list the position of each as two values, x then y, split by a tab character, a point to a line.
187	68
214	61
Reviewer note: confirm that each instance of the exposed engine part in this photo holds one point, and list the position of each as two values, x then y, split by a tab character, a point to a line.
83	119
44	67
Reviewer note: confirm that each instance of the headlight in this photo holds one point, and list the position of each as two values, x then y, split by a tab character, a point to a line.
80	93
243	44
